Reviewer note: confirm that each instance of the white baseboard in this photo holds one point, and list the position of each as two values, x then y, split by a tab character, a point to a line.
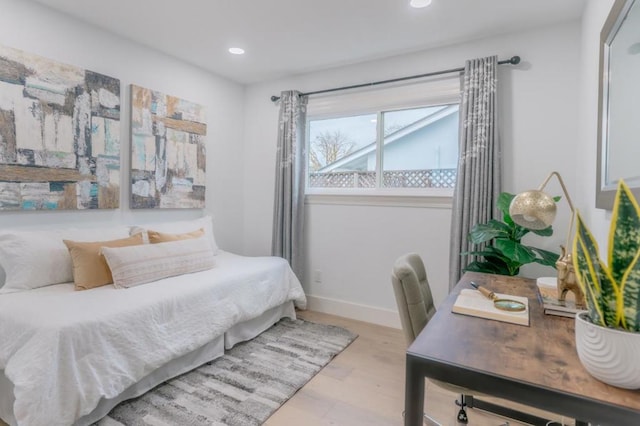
380	316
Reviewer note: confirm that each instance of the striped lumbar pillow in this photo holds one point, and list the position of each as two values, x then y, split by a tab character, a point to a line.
131	266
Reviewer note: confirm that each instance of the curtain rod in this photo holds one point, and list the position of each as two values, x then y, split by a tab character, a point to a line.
514	60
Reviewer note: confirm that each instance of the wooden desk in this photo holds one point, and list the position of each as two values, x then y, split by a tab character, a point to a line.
537	365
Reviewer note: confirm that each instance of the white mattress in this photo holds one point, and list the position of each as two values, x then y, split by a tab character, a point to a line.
65	350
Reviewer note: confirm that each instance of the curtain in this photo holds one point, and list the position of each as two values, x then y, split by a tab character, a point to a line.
478	182
288	209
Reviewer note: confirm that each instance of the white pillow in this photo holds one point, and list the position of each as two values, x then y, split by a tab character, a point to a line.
37	258
180	227
135	265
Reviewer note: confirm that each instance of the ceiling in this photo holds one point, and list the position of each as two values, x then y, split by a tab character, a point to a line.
287	37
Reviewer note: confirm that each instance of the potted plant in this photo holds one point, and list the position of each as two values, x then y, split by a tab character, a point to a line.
505	253
607	338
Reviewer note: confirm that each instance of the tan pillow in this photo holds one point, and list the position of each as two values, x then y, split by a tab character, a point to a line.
90	268
180	226
162	237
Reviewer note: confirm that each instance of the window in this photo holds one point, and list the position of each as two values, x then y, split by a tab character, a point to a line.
390	139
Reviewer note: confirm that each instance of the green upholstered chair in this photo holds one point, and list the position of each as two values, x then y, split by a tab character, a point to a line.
416	308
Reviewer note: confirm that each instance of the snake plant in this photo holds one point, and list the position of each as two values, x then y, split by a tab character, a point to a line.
612	291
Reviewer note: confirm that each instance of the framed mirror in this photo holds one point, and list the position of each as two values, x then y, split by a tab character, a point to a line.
619	103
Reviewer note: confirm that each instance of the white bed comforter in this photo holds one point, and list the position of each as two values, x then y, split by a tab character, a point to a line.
64	350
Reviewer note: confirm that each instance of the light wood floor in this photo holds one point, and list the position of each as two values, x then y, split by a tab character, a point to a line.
364	386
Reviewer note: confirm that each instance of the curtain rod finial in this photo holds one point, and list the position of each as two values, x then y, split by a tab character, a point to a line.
275	98
515	60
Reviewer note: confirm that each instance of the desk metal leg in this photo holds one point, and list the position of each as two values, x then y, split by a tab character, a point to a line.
413	393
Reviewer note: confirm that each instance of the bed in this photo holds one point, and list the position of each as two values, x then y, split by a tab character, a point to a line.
68	357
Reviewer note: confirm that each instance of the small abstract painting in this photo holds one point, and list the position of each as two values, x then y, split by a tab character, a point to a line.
59	135
168	152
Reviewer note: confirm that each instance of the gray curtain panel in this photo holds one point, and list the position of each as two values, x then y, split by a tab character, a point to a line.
478	182
288	209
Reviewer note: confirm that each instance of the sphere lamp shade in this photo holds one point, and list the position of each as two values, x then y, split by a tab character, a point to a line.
533	209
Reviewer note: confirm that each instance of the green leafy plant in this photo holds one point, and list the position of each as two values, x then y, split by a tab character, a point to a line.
612	292
505	253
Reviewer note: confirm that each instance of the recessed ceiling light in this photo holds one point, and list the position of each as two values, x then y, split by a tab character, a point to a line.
419	3
236	51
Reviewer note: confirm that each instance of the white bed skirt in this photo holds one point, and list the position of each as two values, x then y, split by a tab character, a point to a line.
249	329
238	333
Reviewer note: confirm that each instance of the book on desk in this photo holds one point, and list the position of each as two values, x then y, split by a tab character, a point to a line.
473	303
547	291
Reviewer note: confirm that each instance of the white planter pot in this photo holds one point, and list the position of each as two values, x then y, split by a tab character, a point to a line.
609	355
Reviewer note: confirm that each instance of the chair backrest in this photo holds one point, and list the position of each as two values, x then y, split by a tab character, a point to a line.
413	294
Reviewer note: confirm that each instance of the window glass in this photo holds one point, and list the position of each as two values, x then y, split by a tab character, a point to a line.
420	147
339	152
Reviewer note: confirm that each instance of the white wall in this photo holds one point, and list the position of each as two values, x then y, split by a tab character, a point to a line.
355	246
593	19
38	30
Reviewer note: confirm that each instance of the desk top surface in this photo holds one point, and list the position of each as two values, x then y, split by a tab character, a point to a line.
542	355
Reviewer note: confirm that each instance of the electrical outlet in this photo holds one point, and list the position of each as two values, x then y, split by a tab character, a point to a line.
317	276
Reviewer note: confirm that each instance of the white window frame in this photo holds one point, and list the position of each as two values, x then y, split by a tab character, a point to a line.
426	93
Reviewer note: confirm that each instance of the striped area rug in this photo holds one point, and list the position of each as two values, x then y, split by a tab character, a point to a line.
242	388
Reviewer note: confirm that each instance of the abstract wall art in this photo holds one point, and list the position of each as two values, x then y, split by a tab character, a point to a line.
59	135
168	152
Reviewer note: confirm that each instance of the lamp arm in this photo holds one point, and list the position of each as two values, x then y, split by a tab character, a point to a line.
566	194
564	188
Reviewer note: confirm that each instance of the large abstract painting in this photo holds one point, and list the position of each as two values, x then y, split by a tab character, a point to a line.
168	153
59	135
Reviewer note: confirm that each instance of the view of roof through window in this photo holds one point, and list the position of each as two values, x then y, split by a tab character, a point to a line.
360	130
418	144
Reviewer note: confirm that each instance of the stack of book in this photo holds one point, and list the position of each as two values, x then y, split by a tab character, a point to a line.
548	297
